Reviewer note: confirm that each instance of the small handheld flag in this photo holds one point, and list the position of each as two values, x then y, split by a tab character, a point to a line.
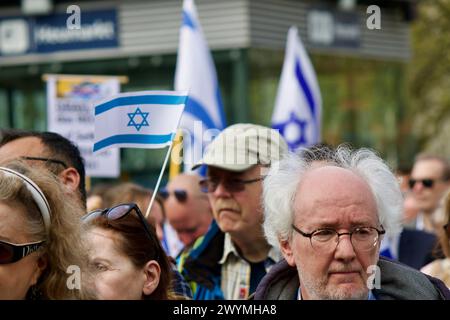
147	119
298	105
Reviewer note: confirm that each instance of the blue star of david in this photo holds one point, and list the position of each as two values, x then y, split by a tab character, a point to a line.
293	119
132	122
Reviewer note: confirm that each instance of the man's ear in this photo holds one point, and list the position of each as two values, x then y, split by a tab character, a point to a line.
286	250
152	272
70	178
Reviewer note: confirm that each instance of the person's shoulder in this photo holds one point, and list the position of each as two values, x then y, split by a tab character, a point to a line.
280	283
399	281
432	268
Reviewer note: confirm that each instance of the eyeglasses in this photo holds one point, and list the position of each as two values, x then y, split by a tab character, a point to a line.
232	185
56	161
427	183
10	252
180	194
326	240
119	212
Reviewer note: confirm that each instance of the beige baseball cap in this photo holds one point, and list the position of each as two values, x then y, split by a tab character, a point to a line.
243	145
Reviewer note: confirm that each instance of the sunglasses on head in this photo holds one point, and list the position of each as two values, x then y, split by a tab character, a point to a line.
427	183
180	194
10	252
119	212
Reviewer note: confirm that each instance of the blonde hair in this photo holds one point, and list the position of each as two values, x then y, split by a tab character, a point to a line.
63	246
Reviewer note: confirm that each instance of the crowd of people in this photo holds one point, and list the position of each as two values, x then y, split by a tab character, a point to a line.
264	223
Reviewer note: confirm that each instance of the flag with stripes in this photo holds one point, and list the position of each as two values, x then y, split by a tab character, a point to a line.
196	73
147	119
298	104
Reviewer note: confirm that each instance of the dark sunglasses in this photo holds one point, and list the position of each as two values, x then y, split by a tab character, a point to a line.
232	185
427	183
119	212
10	252
56	161
180	194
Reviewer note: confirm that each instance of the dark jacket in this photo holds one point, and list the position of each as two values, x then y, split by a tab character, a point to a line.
416	248
398	282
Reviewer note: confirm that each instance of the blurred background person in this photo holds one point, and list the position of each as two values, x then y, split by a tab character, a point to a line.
95	196
441	268
188	209
126	256
40	234
430	178
58	154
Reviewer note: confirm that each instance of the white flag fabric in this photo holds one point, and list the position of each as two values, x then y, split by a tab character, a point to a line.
147	119
195	73
298	105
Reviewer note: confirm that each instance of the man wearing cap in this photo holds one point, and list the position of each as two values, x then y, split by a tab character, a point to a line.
233	256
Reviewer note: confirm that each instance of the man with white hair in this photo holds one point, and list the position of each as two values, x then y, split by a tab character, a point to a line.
328	216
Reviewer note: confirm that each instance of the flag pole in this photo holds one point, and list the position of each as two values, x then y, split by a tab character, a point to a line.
159	180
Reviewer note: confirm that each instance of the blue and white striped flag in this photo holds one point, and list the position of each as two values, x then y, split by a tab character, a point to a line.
147	119
298	105
195	72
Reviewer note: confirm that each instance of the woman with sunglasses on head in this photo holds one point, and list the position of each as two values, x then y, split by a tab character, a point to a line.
128	192
39	236
441	268
128	260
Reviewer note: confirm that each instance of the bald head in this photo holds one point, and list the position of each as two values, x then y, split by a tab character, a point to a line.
189	216
331	188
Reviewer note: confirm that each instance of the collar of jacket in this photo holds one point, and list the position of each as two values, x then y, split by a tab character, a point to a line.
202	265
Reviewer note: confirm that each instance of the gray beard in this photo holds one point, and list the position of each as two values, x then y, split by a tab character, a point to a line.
317	290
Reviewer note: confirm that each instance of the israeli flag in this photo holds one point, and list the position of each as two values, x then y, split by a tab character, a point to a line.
298	105
203	116
147	119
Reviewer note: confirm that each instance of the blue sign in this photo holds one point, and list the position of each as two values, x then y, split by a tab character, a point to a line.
45	34
329	28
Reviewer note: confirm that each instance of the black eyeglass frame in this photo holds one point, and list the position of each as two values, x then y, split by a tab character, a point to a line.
20	251
350	234
56	161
